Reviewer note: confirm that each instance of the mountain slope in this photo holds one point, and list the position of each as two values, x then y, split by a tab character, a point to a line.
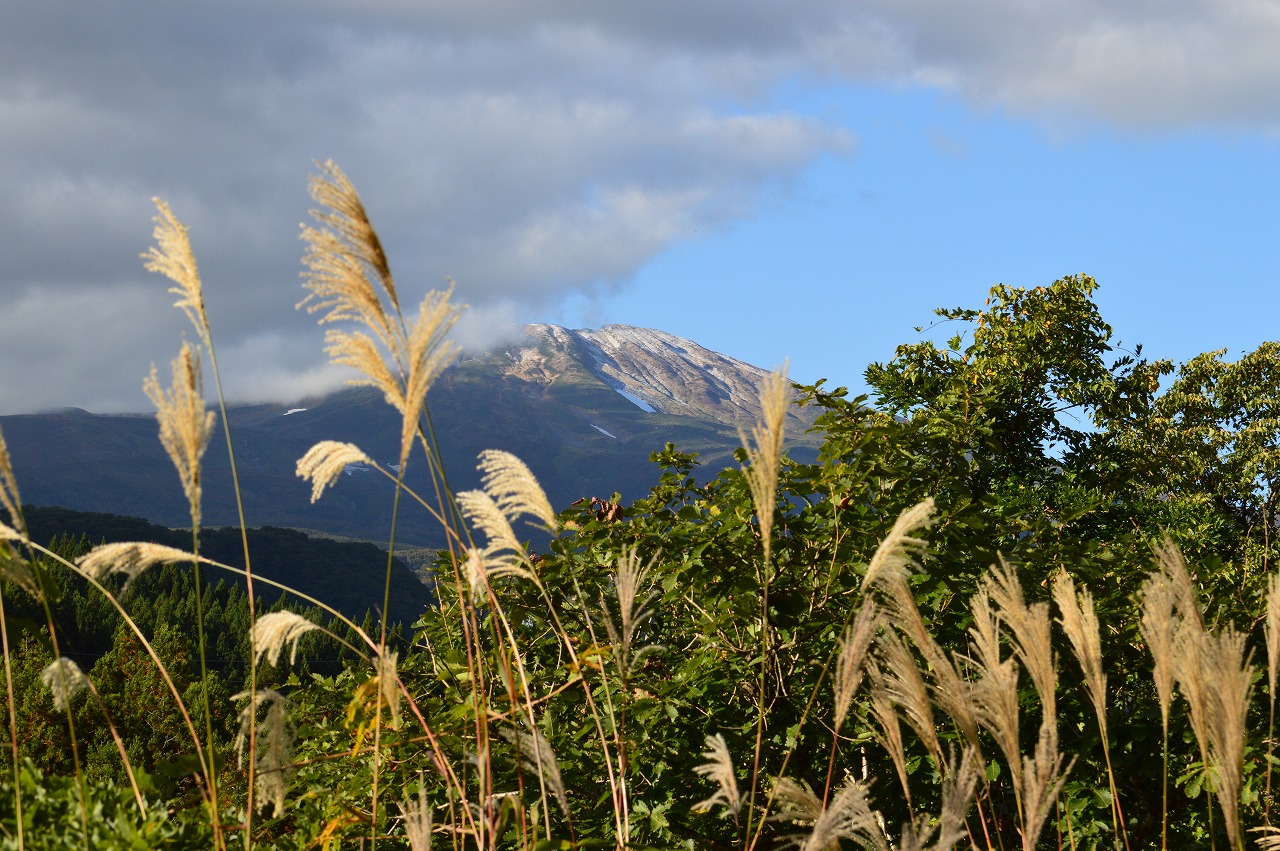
584	409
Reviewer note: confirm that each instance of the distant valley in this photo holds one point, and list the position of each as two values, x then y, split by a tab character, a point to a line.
583	408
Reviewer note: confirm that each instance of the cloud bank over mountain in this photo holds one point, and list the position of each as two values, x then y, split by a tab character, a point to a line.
530	151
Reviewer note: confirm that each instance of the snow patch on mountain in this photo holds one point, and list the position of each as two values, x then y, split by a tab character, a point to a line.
637	401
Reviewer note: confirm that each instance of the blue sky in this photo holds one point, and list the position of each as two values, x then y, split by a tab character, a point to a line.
940	200
804	179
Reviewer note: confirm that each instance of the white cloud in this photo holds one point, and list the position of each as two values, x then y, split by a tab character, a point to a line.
532	151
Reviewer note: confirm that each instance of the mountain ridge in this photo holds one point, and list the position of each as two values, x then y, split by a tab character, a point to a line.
584	409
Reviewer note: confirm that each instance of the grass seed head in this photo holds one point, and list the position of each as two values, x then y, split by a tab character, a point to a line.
718	768
185	424
130	558
325	462
274	630
172	257
274	746
65	680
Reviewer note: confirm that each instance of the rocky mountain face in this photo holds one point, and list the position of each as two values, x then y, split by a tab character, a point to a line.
584	409
655	370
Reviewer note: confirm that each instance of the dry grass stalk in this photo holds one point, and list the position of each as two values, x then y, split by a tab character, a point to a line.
848	817
185	425
901	680
346	265
417	822
850	662
272	631
995	693
13	568
65	680
1273	661
629	580
1225	655
274	746
1030	630
895	558
129	558
512	485
718	768
536	754
959	783
1159	628
1042	779
172	257
764	451
9	496
887	731
1273	634
325	462
1080	623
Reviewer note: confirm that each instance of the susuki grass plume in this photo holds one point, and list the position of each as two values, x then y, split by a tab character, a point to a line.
185	429
1042	777
418	821
274	630
1028	625
888	729
537	756
1159	627
848	817
346	266
1225	658
513	487
896	556
350	280
959	783
9	497
718	768
130	559
851	660
185	424
64	679
274	745
172	257
903	683
13	568
1080	623
995	693
324	463
764	451
629	582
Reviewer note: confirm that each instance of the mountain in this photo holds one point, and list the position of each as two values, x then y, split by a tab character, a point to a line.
584	409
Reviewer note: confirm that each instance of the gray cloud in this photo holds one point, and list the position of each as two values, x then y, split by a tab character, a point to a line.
531	151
